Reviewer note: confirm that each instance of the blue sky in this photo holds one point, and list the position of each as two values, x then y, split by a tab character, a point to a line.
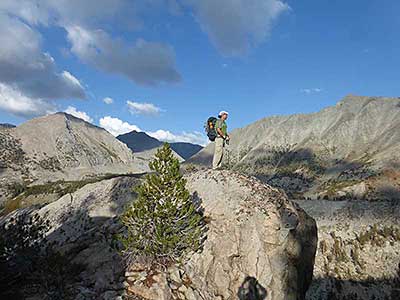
179	61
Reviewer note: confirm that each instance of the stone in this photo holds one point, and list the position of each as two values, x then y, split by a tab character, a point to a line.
110	295
254	232
174	274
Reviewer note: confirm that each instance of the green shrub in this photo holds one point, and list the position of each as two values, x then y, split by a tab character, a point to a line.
163	223
16	189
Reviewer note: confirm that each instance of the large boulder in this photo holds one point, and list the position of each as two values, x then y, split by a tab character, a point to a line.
259	245
257	240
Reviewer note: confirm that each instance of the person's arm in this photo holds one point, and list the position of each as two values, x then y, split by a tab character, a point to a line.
220	133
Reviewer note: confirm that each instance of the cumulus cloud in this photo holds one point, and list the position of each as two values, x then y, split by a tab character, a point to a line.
18	104
236	26
143	108
146	63
311	91
79	114
25	66
27	10
116	126
108	100
44	12
28	72
26	69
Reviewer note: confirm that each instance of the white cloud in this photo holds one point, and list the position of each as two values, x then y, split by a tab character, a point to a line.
18	104
24	66
29	79
116	126
73	81
146	63
311	91
235	26
108	100
143	108
44	12
79	114
27	10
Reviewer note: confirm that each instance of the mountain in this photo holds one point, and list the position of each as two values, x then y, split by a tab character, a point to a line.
186	150
60	147
6	125
140	141
350	149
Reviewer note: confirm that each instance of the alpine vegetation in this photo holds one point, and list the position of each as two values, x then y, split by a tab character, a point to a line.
163	223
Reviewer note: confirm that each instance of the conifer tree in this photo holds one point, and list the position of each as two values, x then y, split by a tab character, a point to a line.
162	223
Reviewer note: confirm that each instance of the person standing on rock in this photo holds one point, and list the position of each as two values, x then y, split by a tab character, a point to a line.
221	139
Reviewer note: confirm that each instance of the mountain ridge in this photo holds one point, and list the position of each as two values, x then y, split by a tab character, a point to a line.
319	148
141	141
61	147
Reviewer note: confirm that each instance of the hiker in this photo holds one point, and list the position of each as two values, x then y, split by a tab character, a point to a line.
221	139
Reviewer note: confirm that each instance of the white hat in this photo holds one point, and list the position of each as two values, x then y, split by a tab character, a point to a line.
223	112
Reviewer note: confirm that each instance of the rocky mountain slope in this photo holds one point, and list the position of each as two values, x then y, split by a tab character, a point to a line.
140	142
358	249
351	149
60	147
258	243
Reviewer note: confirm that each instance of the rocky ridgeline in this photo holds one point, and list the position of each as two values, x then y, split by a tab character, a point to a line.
326	154
257	242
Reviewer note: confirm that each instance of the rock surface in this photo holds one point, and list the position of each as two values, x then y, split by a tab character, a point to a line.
254	232
259	246
83	226
359	249
257	240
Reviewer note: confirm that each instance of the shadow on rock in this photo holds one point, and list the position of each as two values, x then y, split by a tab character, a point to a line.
251	289
68	251
331	288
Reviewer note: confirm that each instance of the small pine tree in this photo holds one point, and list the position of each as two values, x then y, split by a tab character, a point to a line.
163	223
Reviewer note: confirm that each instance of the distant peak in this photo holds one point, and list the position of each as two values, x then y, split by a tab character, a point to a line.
7	125
60	118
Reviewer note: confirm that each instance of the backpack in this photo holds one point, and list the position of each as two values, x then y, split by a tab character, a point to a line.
210	128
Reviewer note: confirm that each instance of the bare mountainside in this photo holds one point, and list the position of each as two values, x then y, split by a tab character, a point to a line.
60	147
347	150
358	249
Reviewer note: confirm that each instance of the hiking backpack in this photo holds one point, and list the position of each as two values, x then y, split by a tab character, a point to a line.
210	128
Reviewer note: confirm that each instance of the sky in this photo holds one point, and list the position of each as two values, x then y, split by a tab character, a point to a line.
165	66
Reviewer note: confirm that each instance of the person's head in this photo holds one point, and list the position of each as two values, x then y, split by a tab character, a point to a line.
223	115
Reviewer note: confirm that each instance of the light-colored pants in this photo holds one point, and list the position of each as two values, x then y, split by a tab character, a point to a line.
218	152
